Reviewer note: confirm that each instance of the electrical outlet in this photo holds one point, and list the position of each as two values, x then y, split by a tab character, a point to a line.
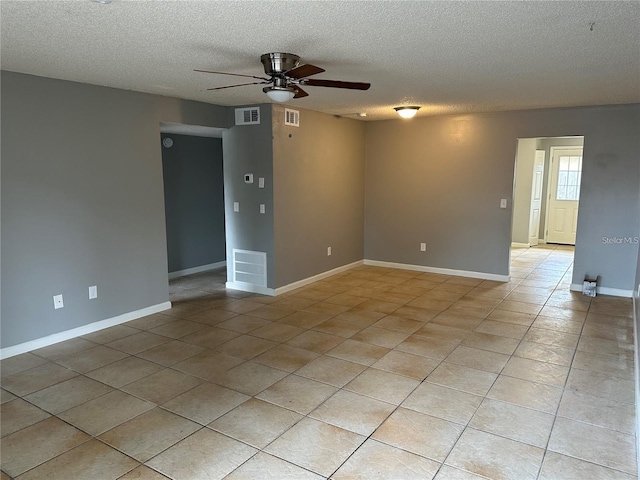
328	251
58	302
503	203
423	247
93	292
236	206
262	208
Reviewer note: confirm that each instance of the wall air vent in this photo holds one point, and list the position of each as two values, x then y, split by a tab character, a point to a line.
250	267
291	117
248	116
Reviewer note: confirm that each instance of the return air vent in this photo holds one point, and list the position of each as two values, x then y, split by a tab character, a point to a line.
248	116
250	267
291	117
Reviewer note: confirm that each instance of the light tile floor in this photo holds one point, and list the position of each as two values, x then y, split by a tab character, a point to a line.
371	374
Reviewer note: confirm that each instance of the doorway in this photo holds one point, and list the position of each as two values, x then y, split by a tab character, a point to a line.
194	199
546	190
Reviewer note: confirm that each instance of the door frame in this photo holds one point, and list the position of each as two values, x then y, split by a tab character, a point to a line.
537	232
552	151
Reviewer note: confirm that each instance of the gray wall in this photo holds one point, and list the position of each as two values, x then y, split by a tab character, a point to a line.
546	144
82	201
194	201
82	195
525	158
610	185
440	179
248	149
318	194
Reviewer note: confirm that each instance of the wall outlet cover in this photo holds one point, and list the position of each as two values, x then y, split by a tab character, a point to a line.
93	292
423	247
58	302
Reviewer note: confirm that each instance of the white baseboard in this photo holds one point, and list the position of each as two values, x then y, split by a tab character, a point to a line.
83	330
315	278
614	292
542	241
520	245
443	271
201	268
248	287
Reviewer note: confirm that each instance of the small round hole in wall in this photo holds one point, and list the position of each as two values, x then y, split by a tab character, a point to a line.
167	142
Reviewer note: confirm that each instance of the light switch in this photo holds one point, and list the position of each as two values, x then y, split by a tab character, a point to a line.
262	210
260	182
503	203
236	206
93	292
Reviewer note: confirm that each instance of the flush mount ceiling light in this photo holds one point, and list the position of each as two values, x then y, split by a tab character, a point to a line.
407	112
279	94
104	2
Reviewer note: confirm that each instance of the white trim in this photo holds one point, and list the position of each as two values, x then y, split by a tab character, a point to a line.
249	287
614	292
520	245
83	330
542	241
443	271
201	268
315	278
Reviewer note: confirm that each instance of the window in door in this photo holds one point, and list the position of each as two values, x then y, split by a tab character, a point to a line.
569	174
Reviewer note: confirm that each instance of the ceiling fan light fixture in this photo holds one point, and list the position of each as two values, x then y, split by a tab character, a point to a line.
279	94
407	112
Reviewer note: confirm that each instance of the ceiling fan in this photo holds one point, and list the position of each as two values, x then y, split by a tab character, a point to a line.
285	77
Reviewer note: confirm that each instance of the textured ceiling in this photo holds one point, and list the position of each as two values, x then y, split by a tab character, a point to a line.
448	57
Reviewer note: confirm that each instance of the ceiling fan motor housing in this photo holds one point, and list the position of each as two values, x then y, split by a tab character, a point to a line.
278	63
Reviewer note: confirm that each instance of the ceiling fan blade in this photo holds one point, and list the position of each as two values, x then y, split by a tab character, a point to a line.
304	71
238	85
233	74
336	84
299	92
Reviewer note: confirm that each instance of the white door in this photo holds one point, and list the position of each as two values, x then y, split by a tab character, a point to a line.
536	197
564	195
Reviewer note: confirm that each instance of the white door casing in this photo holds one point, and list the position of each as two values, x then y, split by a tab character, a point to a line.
536	197
564	195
